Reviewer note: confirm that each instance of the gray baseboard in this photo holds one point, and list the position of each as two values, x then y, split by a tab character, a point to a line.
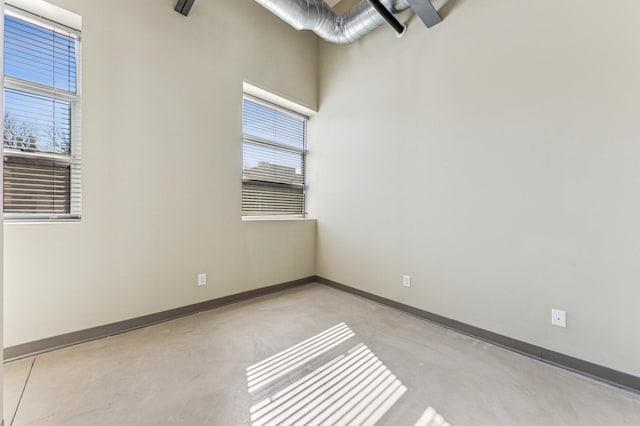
56	342
585	368
595	371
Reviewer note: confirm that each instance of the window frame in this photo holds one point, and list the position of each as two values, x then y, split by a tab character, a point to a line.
73	158
279	147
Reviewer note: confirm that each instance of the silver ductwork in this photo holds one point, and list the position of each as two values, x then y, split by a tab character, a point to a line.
317	16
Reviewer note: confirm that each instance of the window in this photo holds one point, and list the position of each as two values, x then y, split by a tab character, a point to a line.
273	154
41	119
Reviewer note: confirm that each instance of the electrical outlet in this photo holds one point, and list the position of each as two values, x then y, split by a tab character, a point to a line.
202	279
558	318
406	280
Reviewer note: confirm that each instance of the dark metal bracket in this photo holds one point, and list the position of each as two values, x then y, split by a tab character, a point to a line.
425	11
184	6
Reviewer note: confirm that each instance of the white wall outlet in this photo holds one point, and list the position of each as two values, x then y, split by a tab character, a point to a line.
558	318
406	280
202	279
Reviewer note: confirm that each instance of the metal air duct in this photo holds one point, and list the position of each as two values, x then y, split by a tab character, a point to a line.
360	20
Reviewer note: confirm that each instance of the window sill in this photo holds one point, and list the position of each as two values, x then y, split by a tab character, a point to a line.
41	221
274	218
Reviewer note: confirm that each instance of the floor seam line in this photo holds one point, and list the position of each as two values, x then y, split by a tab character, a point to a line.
22	393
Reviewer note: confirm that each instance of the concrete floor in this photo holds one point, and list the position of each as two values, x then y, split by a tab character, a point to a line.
192	371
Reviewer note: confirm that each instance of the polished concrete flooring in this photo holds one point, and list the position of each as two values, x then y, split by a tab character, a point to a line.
193	371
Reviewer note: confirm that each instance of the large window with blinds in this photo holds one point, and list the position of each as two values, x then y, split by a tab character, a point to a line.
41	119
273	157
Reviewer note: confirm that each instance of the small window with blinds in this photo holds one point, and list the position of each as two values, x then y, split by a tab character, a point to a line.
41	119
273	157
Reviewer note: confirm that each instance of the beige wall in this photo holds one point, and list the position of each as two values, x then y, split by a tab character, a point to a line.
161	130
494	158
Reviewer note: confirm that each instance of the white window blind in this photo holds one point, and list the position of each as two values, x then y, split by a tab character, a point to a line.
273	154
41	119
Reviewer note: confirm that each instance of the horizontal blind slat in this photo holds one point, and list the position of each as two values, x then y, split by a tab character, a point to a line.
273	160
45	191
42	173
52	52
